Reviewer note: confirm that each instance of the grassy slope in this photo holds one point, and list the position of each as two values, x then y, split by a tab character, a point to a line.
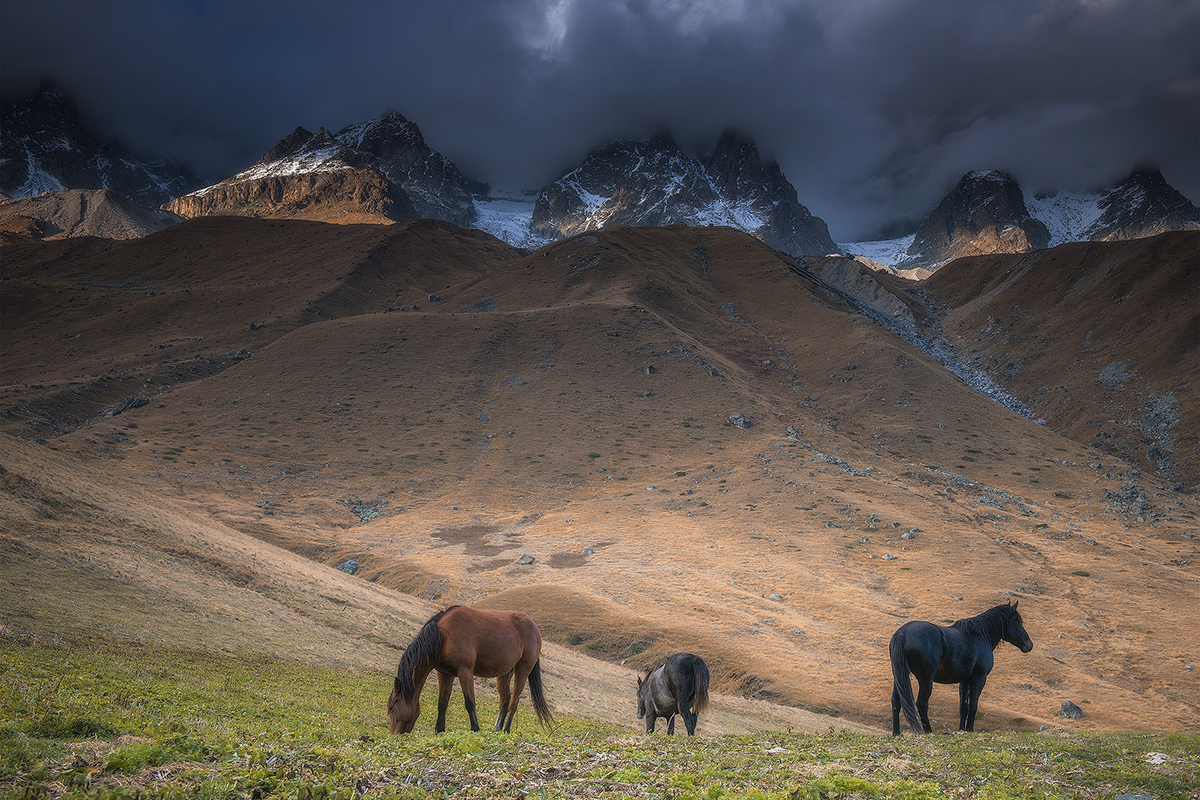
103	723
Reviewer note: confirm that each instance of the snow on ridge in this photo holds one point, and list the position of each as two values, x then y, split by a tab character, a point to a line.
888	252
326	159
1067	215
507	217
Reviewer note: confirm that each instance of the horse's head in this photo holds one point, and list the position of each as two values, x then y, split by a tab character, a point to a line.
1014	629
641	699
402	714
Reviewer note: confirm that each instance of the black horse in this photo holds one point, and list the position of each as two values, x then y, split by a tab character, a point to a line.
961	653
680	686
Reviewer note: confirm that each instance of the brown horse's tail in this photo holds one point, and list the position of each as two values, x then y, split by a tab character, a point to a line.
902	683
700	696
538	696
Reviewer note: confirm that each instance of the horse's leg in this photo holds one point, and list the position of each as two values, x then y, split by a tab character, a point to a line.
503	689
519	677
650	720
964	704
975	690
895	709
924	690
466	680
671	725
445	687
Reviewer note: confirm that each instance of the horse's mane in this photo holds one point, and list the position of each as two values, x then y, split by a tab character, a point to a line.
990	624
420	654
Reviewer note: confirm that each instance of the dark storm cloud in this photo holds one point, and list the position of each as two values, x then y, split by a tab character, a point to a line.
872	107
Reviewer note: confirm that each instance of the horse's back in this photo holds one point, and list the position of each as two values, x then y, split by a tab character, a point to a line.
495	641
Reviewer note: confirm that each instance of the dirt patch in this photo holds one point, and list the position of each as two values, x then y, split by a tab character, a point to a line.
567	560
475	537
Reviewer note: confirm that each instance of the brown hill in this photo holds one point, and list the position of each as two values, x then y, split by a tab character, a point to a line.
575	404
1100	339
82	212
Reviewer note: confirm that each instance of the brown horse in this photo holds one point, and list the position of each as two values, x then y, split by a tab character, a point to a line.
463	643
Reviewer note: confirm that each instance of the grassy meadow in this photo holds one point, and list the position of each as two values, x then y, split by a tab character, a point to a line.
130	722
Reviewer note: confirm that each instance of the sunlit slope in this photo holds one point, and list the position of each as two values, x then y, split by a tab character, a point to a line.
573	405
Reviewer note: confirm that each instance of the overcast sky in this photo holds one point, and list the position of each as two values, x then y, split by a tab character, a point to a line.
873	108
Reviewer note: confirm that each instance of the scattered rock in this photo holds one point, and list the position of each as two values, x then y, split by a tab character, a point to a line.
908	535
128	404
889	557
650	370
739	421
1070	710
527	558
433	298
349	566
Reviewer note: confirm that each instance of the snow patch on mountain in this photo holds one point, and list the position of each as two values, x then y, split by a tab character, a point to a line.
888	252
1067	215
507	217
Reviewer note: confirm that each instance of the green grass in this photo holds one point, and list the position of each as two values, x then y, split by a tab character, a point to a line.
143	723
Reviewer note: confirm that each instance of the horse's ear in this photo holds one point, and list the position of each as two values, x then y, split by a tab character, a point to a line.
639	681
396	685
1016	602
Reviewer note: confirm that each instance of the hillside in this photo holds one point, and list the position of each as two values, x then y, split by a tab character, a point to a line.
434	405
78	212
1101	340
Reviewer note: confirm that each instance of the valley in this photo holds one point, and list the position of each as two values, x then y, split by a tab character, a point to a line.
202	425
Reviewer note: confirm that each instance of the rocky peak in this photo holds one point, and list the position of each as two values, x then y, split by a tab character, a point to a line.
1143	204
45	147
395	146
984	213
654	182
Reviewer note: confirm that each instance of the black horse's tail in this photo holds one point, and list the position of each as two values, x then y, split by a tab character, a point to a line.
538	696
902	683
700	694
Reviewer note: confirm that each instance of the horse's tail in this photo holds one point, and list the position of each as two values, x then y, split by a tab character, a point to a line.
700	693
902	683
538	696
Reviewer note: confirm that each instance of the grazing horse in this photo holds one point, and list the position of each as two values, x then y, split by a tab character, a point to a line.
680	686
960	653
463	643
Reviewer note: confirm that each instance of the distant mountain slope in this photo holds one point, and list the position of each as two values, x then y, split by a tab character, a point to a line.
78	212
45	148
304	176
375	171
1142	205
987	213
984	213
1101	339
654	182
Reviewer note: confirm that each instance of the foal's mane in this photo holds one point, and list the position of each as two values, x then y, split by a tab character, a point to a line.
990	624
419	655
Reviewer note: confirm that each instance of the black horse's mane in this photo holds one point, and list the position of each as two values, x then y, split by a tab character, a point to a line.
419	654
990	624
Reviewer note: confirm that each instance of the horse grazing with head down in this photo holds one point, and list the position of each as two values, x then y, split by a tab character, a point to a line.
961	653
679	686
463	643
